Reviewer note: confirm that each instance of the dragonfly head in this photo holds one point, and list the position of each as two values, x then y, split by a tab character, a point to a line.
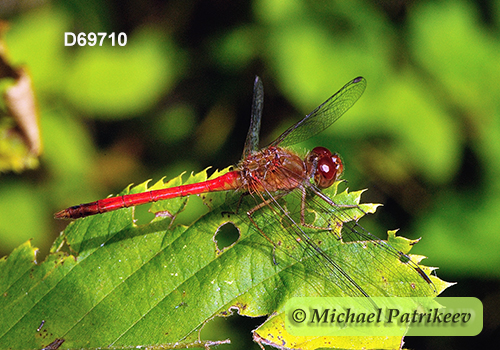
324	166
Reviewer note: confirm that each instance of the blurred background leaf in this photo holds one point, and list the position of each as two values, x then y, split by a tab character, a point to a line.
424	138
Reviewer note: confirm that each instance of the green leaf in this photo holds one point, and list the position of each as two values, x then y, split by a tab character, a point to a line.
120	81
123	285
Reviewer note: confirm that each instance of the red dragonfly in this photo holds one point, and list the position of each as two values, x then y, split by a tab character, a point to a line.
273	172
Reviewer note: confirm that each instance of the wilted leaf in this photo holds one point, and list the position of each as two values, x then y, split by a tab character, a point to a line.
20	141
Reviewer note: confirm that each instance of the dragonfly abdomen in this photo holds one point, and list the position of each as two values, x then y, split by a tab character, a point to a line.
228	181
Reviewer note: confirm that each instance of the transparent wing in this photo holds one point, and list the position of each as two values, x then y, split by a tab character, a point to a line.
337	253
323	116
384	253
252	140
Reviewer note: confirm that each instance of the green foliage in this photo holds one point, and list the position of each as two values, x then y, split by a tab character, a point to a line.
123	285
99	82
424	135
431	98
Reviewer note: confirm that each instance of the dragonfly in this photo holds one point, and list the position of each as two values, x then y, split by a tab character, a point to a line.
273	173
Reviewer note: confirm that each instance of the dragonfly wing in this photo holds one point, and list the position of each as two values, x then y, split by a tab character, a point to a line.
252	140
293	245
339	256
324	115
394	264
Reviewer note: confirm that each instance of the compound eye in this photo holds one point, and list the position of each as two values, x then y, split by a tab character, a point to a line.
329	167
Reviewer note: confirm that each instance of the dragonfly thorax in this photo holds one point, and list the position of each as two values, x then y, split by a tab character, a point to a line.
272	169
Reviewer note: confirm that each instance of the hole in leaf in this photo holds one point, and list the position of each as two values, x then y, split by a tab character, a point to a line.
226	235
142	215
237	328
193	211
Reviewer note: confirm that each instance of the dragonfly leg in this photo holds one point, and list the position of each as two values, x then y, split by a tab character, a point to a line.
235	212
259	206
336	229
